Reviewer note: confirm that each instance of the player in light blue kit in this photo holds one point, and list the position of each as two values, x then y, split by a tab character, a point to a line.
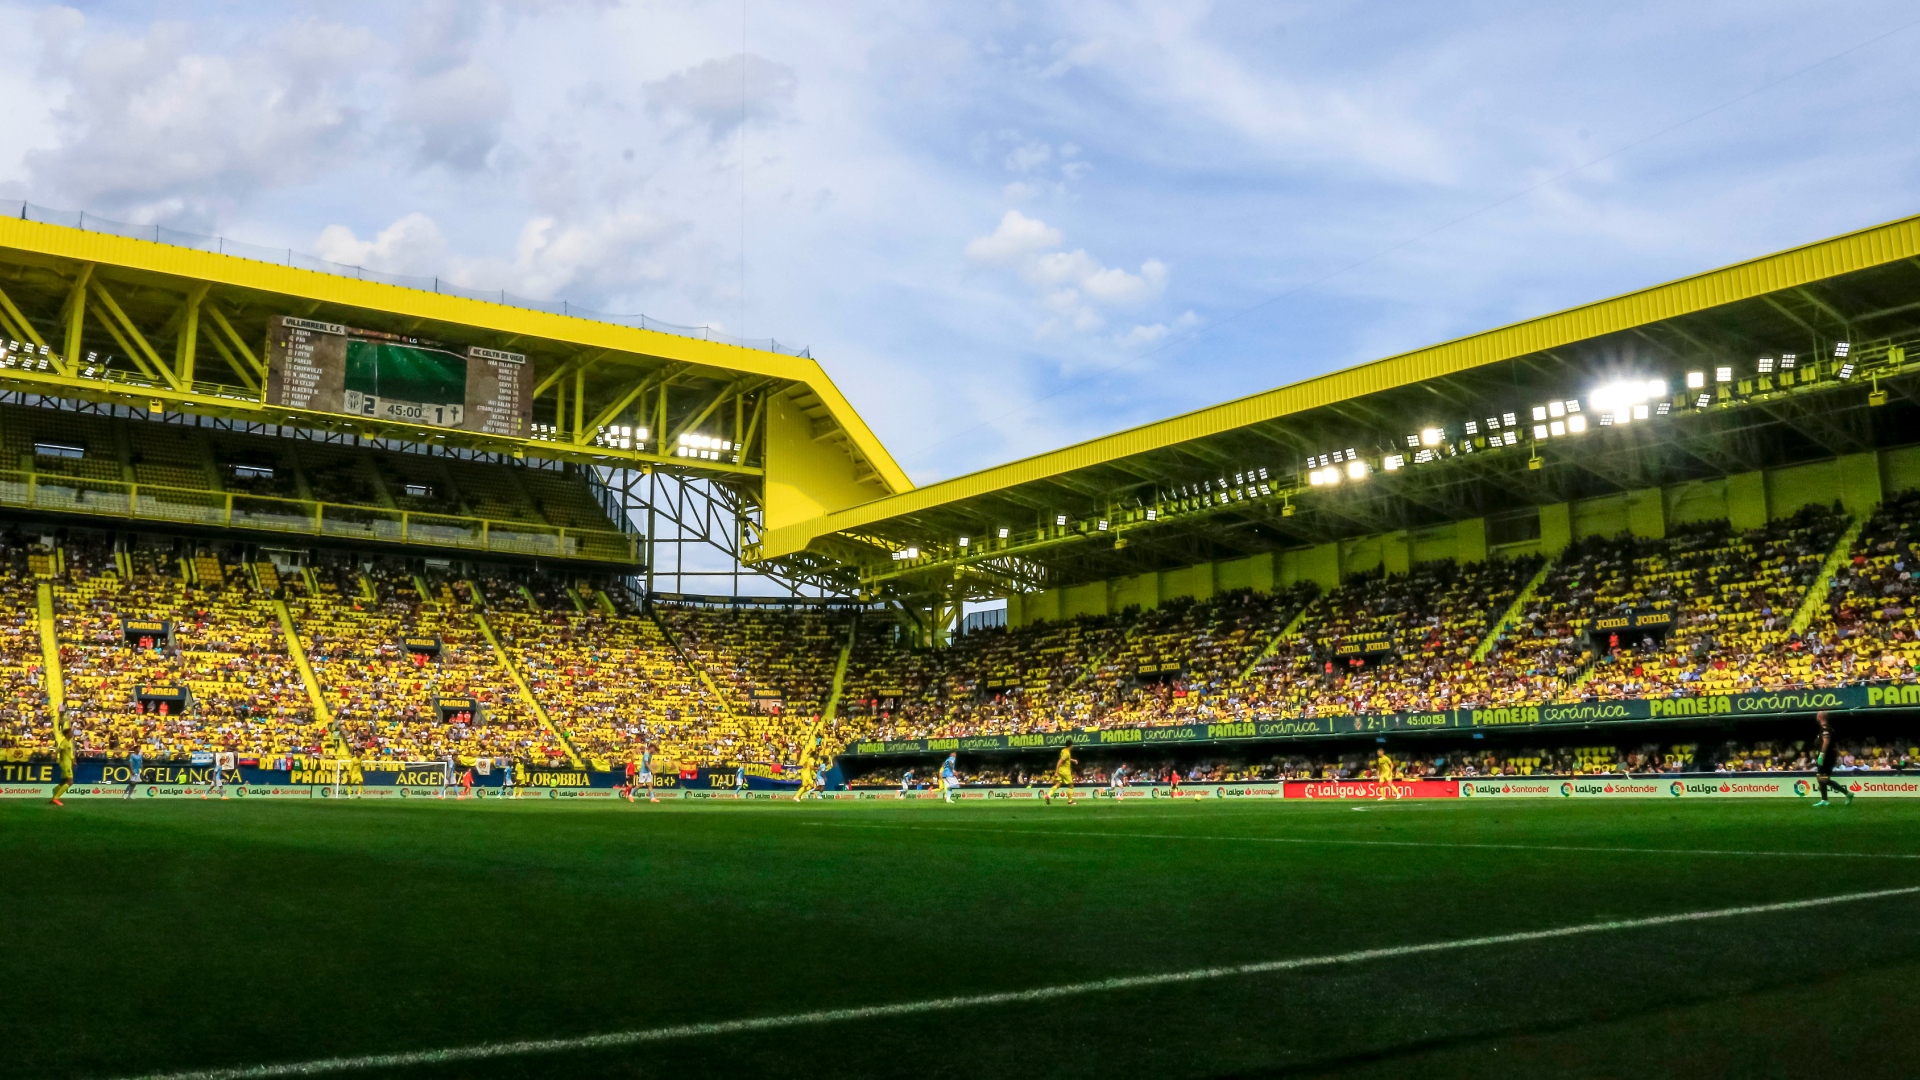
948	782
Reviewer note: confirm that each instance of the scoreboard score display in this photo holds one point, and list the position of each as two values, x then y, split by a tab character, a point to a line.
327	367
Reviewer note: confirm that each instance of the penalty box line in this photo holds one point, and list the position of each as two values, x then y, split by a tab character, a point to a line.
531	1047
1578	848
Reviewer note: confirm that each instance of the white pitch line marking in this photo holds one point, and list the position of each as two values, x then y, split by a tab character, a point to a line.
531	1047
1375	843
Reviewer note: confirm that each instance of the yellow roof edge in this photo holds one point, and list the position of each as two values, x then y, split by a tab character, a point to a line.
1865	248
150	256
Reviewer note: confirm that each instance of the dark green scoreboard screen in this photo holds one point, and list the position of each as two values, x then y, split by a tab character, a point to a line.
327	367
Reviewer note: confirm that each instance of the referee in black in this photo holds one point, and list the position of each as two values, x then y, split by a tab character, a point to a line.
1823	772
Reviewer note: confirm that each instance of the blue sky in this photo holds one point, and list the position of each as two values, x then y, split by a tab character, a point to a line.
1002	228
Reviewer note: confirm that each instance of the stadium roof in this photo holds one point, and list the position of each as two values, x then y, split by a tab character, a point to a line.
187	327
1235	478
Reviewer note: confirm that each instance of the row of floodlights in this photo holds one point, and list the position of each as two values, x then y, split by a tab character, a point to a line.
1612	405
23	354
1615	404
621	437
705	447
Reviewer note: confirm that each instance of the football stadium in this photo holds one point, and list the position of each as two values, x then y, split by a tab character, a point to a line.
1541	696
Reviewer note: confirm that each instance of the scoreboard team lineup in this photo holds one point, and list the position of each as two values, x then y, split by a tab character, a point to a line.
331	368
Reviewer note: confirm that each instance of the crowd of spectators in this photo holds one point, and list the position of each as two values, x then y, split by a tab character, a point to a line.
584	674
399	656
25	723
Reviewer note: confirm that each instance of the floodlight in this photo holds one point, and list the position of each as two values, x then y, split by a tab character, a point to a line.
1656	388
1704	401
1557	428
963	542
1508	419
1839	349
1510	437
1606	419
1556	408
1153	515
1493	423
1473	427
1393	463
1696	379
1639	412
1662	408
1787	360
1573	406
1723	374
1576	424
1060	519
1413	442
1102	526
1846	370
1539	412
1539	431
913	553
1430	436
1766	365
1356	470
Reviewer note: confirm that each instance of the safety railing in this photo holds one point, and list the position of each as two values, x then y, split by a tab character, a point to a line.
191	506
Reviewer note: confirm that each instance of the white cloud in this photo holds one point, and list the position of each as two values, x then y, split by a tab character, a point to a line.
549	256
1072	286
412	245
1028	156
1017	235
456	115
151	129
1142	336
725	92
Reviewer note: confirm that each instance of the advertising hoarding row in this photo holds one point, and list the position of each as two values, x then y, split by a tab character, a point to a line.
1705	706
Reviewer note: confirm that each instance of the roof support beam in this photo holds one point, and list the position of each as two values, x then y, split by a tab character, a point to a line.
17	325
129	336
74	316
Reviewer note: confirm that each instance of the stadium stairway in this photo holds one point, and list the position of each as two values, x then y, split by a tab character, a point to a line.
520	683
1513	612
832	707
56	683
1817	592
299	654
686	658
1287	633
527	595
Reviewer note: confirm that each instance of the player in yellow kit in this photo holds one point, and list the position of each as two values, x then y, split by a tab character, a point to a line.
809	750
1383	770
1063	775
63	754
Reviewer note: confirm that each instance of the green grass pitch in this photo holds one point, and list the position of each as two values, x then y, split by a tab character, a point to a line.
153	938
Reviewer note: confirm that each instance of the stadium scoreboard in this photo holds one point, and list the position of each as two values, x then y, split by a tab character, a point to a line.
331	368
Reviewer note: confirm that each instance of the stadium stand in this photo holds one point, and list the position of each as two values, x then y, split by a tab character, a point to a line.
1867	629
1732	597
1392	643
609	678
25	723
399	657
717	685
